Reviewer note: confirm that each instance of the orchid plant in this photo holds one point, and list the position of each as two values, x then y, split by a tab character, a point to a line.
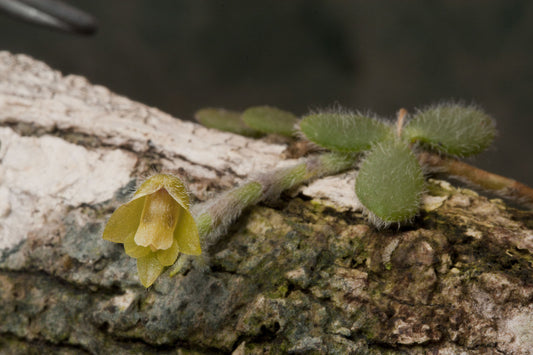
390	160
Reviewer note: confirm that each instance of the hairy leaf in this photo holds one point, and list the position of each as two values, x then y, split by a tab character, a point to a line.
344	132
269	119
452	129
225	120
390	183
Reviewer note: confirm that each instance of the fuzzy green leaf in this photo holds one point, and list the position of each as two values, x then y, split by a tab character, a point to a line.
452	129
269	119
390	183
225	120
344	132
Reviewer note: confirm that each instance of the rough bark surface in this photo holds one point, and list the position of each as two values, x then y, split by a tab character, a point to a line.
305	274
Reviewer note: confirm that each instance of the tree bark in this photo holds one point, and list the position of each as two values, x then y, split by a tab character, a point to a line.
305	274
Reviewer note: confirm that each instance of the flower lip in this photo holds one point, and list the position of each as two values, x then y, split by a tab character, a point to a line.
159	218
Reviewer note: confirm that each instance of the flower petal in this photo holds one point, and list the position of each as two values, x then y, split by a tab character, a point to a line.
168	257
124	221
177	190
149	269
150	185
158	221
186	234
134	250
172	184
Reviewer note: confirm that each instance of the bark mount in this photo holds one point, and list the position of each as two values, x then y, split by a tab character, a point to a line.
302	275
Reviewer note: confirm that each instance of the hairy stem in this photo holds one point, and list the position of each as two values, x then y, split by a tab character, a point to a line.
500	185
214	216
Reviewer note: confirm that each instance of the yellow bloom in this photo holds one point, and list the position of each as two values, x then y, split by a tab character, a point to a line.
155	226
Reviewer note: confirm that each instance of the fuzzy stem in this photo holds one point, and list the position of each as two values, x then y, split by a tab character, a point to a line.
500	185
214	216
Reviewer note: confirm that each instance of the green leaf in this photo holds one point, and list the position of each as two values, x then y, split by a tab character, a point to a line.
269	119
390	183
225	120
452	129
344	132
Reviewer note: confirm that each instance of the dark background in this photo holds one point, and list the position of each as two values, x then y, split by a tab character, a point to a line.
181	55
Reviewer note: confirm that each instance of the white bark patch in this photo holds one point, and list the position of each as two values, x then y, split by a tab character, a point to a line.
122	302
49	100
516	335
337	191
431	203
39	175
72	103
5	205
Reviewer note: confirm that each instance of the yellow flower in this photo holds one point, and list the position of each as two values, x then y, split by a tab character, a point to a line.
155	226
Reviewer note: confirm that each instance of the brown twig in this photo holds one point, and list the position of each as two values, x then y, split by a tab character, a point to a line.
500	185
399	123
